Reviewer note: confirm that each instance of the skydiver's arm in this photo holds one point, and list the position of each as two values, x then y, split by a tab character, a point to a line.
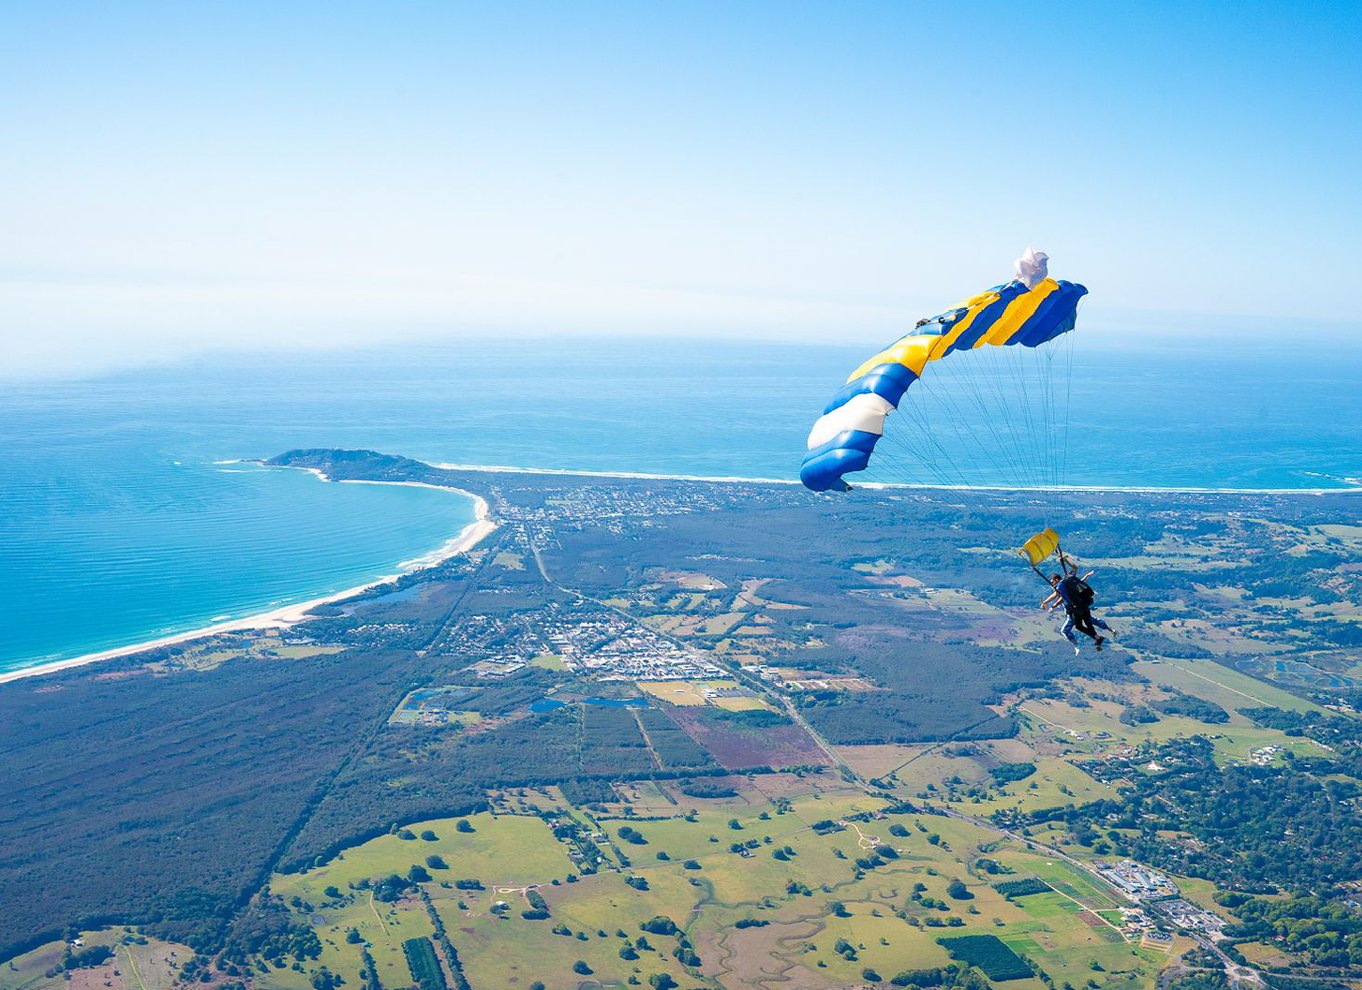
1088	575
1050	602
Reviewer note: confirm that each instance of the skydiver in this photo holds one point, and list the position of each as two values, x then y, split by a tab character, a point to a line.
1073	593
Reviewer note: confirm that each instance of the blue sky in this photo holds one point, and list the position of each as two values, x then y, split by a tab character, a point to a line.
177	177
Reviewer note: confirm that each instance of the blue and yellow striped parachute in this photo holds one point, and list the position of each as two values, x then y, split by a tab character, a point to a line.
1030	310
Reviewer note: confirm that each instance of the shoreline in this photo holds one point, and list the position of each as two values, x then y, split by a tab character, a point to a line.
475	532
289	615
885	485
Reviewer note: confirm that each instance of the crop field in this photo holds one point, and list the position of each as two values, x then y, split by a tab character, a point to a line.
684	693
739	748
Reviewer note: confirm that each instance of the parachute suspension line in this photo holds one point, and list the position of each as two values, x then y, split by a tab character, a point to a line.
1030	441
938	464
966	443
999	394
924	429
1008	448
944	467
1068	398
1051	454
1033	406
901	472
1018	443
967	371
1046	440
1042	421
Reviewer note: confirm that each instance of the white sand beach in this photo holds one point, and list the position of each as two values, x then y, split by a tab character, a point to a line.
288	615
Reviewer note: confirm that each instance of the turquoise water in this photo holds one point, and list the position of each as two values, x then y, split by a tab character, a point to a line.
117	525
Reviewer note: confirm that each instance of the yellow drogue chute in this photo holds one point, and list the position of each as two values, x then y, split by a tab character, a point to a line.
1039	547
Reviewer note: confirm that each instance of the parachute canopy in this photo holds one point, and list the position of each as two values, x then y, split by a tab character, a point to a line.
1030	310
1040	546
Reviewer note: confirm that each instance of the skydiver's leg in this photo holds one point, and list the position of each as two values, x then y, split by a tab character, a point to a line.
1068	632
1085	626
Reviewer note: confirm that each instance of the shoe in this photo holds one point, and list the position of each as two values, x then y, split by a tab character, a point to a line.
1111	633
1077	651
1099	641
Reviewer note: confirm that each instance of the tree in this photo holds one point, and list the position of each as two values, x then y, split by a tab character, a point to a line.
418	874
581	967
464	825
324	979
662	981
958	890
436	862
430	836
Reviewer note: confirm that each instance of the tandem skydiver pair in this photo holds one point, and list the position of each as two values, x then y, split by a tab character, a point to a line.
1024	315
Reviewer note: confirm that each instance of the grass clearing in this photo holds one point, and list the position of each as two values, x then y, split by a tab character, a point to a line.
1227	688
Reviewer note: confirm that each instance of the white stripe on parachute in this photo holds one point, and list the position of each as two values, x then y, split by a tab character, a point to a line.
865	412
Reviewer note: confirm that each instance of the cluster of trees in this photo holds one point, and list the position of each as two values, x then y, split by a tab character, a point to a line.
1340	733
238	754
1010	773
611	744
1257	828
948	978
988	952
702	788
1021	888
95	955
1192	707
1323	931
423	964
675	750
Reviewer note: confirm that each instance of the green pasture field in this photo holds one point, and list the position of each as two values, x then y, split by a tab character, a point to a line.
1058	930
513	951
503	851
153	966
1228	688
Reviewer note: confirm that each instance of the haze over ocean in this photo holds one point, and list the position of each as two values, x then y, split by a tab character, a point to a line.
117	525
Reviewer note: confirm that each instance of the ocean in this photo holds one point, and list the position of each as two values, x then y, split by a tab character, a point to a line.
119	522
